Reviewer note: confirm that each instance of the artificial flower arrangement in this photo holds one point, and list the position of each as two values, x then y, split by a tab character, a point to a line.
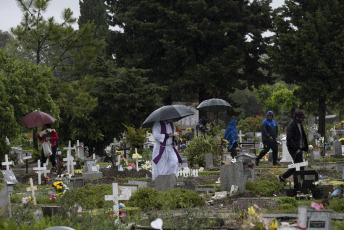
342	140
26	199
60	187
52	196
147	166
45	179
47	133
78	171
255	220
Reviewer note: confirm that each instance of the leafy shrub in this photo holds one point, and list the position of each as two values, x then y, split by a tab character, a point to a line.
265	186
336	204
287	204
199	146
90	196
251	124
150	198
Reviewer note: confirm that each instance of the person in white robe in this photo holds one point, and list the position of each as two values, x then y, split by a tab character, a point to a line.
165	156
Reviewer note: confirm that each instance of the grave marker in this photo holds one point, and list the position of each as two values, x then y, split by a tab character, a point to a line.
209	161
137	157
39	171
297	166
9	177
45	171
70	159
7	163
164	182
115	198
79	149
26	157
286	157
240	137
32	190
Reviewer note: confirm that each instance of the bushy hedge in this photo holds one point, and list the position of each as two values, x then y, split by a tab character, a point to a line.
151	199
265	186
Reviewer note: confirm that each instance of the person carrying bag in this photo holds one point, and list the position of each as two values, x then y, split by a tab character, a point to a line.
49	140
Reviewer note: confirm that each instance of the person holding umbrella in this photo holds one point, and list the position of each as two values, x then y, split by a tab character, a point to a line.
165	156
48	134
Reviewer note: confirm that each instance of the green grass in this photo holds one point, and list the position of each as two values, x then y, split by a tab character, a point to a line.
207	173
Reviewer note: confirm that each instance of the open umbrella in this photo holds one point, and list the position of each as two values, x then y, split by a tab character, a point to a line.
168	112
37	118
213	105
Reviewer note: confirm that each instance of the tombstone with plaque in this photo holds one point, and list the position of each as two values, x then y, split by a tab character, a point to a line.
91	169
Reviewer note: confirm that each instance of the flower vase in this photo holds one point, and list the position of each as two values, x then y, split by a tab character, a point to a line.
120	168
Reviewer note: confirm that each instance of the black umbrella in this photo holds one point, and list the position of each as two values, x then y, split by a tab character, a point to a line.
213	105
168	112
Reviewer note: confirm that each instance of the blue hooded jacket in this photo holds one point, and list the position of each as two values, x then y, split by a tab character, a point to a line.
231	133
269	129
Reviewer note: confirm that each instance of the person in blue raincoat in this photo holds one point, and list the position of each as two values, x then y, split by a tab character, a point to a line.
269	138
231	135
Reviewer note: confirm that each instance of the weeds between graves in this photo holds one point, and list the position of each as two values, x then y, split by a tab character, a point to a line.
266	185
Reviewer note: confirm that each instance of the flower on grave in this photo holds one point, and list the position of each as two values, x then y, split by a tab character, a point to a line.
47	133
78	171
136	155
45	179
118	152
147	165
251	165
254	220
52	196
188	129
310	147
317	206
342	140
26	199
58	185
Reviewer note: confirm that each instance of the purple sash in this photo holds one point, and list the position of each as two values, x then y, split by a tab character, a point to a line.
163	145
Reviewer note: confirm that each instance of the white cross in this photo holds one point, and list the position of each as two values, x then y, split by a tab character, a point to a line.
115	198
240	137
7	163
32	190
137	157
94	156
297	166
45	171
70	159
77	147
39	170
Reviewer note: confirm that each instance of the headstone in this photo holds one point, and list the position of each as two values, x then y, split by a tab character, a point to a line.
319	219
164	182
233	174
315	154
240	137
209	161
304	180
184	164
286	157
91	169
337	149
39	171
18	152
7	163
140	184
32	189
248	160
339	166
79	149
5	201
9	177
76	182
26	157
115	197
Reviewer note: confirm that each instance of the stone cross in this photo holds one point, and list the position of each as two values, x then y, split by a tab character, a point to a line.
297	166
137	157
115	198
32	190
70	163
45	171
240	137
77	148
39	170
7	163
94	156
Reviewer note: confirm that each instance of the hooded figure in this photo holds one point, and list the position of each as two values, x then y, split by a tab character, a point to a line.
269	138
231	135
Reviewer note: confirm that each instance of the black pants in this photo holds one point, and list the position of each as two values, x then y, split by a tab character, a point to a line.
267	146
297	158
233	149
52	157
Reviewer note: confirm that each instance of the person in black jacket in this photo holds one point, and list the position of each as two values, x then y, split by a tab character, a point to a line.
296	142
269	138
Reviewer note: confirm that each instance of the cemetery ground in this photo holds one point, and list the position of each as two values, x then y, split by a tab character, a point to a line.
197	203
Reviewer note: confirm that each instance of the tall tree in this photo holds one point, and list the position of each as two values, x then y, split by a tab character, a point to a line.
54	44
308	50
198	48
27	87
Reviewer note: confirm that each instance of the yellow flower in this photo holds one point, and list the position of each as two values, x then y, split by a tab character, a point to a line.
118	152
188	129
78	171
251	211
273	225
149	134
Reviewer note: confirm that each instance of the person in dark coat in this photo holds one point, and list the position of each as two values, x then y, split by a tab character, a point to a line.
296	142
269	138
